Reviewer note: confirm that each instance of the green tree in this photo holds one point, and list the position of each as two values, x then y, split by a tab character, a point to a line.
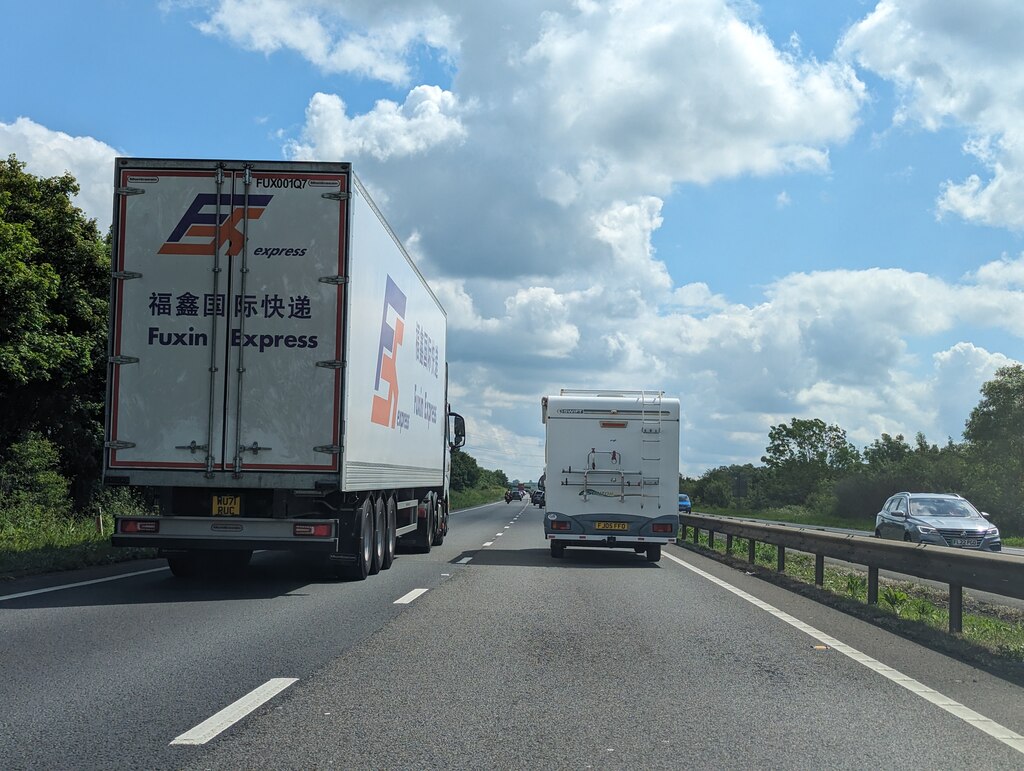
994	435
54	286
804	454
465	471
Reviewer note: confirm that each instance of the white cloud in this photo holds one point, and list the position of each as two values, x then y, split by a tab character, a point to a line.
49	153
963	64
428	118
782	200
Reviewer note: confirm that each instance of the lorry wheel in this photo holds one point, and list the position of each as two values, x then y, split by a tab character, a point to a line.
183	565
440	524
654	552
229	563
425	534
364	543
390	537
379	535
557	549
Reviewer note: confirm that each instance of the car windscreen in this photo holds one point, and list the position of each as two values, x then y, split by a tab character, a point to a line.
941	507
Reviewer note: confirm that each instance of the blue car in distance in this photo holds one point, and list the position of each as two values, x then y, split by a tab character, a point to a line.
684	503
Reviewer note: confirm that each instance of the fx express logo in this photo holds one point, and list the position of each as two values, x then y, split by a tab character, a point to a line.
196	232
385	410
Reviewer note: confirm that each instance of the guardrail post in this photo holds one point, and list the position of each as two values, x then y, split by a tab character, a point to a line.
781	559
711	538
956	608
872	586
728	543
751	543
695	531
819	570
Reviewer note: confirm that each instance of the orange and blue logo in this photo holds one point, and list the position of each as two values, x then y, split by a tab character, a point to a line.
392	330
196	232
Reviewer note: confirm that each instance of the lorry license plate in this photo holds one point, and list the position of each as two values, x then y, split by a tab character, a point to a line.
611	525
227	505
966	542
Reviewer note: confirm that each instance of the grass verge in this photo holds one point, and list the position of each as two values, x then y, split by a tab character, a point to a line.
992	637
464	499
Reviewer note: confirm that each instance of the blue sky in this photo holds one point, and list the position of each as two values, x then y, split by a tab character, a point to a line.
770	210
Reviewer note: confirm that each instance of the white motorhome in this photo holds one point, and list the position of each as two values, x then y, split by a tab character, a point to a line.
277	374
612	469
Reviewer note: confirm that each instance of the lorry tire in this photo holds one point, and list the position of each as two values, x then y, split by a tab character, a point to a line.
390	536
440	524
360	569
557	549
183	565
425	533
379	535
654	552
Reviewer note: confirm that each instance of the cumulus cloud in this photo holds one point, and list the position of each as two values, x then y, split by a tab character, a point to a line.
49	153
962	64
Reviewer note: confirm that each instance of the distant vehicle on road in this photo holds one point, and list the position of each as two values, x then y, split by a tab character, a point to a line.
684	504
513	495
537	499
936	518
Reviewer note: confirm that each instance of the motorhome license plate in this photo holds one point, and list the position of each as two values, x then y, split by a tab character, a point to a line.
227	505
611	525
965	542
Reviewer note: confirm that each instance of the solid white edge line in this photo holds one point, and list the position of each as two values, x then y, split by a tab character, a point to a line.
407	598
956	709
80	583
232	713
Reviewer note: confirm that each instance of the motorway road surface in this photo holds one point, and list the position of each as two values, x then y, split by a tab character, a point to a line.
508	659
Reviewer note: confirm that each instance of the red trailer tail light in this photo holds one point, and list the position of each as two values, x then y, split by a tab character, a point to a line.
662	527
314	531
556	525
140	526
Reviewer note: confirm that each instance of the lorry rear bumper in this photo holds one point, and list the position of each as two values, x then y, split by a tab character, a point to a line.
220	544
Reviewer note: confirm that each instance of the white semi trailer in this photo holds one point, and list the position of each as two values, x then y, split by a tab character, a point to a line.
277	375
611	470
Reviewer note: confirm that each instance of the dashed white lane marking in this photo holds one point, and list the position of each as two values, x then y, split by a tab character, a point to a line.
407	598
995	730
232	713
464	560
80	583
488	543
498	535
507	526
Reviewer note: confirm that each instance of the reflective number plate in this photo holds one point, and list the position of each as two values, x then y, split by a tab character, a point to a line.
965	542
611	525
227	505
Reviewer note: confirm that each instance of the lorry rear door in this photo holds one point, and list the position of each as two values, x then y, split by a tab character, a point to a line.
227	316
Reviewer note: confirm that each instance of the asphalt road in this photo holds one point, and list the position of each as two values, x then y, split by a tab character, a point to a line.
509	659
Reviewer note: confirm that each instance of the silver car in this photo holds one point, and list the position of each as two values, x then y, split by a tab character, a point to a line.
938	518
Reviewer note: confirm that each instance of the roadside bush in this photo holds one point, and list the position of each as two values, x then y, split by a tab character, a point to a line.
31	486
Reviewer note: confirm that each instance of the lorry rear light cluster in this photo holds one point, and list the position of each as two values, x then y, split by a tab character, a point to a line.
315	531
140	526
556	525
662	527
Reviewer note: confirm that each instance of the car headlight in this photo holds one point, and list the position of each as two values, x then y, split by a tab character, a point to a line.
925	530
992	531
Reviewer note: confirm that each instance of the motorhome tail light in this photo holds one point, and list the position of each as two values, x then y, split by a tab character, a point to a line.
140	526
557	525
662	527
314	531
613	424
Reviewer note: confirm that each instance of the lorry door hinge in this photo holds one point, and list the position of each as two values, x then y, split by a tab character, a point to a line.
191	446
336	196
125	275
254	448
118	445
329	449
331	364
129	191
123	359
336	280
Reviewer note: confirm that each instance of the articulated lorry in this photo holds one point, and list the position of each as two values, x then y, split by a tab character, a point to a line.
277	375
611	470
